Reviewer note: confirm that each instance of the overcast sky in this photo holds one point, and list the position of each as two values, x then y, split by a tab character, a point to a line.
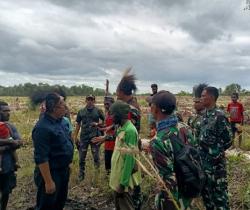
175	43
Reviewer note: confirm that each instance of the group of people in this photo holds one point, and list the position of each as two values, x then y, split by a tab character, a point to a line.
208	131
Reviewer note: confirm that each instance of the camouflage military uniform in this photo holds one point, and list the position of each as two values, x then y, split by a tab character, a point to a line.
85	118
135	113
163	158
194	122
186	134
215	138
135	117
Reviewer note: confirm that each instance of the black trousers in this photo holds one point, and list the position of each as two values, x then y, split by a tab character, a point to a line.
55	201
7	183
108	157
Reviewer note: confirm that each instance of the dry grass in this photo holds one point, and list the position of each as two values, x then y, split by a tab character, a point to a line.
94	190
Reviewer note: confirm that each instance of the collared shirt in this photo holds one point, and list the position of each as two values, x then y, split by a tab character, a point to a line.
215	134
85	118
52	142
8	162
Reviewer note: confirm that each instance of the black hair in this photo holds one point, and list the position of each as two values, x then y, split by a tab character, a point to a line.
51	101
60	92
166	101
3	103
39	96
197	90
109	99
154	85
127	84
213	91
235	94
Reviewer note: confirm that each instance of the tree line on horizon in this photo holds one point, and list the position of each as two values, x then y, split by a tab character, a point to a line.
227	91
28	89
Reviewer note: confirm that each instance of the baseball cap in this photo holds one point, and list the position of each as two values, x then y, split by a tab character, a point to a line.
90	96
4	130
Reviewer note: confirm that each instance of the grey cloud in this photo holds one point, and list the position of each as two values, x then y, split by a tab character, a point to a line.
79	46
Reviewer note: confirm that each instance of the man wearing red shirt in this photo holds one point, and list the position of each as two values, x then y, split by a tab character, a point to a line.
109	137
235	110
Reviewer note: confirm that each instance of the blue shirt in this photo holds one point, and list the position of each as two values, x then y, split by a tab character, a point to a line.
52	142
8	162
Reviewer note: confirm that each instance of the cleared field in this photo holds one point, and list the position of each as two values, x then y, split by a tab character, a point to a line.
94	192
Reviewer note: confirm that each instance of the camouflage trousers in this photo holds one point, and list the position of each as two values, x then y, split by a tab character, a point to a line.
215	192
83	150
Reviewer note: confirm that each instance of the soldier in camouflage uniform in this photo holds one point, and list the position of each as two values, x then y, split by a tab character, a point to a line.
194	121
162	107
87	119
215	137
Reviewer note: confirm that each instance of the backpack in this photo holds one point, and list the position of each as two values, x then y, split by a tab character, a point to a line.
188	167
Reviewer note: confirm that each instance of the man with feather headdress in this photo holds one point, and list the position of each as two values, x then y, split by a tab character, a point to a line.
125	92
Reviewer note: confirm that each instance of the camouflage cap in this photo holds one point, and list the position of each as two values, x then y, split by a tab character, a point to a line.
120	108
90	96
165	100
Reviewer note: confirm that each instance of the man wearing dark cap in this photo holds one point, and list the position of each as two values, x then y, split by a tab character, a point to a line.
87	119
163	105
124	173
154	88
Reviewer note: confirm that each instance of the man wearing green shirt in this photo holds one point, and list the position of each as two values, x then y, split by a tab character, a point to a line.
124	171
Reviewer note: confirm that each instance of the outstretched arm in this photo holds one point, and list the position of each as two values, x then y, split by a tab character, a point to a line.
10	143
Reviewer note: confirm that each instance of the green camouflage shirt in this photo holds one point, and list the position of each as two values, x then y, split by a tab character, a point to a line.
194	121
215	134
85	118
163	158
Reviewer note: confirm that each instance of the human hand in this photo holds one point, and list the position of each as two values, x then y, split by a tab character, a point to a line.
50	187
98	140
17	143
94	124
